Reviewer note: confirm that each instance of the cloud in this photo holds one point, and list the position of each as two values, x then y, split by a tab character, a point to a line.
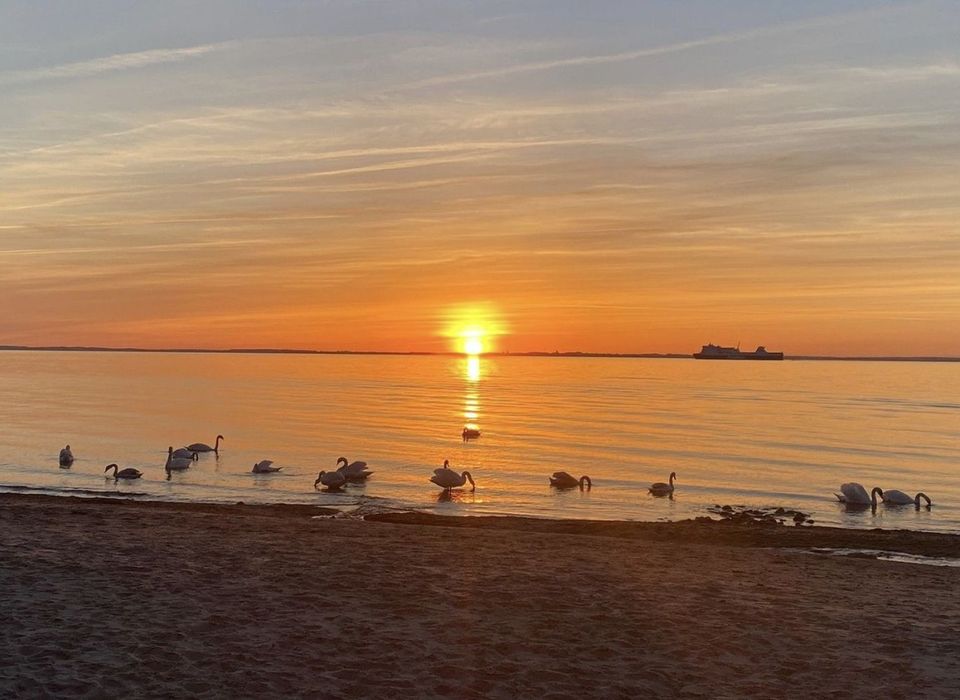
623	56
105	64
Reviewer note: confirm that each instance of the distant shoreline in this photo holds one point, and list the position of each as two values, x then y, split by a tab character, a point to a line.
283	351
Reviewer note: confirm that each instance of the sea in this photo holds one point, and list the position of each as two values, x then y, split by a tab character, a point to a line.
757	434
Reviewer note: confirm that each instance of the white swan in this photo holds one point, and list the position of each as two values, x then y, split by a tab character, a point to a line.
265	466
562	480
334	481
662	489
184	453
203	447
448	479
895	497
353	471
853	494
177	464
128	473
66	457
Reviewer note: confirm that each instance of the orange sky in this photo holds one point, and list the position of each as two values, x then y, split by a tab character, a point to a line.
624	180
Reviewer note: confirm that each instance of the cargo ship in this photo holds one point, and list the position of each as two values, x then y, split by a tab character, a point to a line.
716	352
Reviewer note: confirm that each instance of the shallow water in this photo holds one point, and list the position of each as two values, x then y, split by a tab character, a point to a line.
759	434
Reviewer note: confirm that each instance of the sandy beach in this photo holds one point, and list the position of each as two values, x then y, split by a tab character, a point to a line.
147	599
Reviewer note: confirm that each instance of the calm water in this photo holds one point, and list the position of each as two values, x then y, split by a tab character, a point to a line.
764	434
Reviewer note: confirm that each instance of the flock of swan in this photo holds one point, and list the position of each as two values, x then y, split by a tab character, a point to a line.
347	472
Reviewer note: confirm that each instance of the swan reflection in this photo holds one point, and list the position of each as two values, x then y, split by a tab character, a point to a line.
456	496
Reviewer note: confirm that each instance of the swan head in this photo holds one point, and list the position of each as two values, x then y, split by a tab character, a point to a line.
319	476
342	459
109	467
220	437
446	464
170	450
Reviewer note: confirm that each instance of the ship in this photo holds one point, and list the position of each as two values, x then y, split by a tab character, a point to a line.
717	352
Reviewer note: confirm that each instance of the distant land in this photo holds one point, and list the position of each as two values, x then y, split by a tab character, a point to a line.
556	353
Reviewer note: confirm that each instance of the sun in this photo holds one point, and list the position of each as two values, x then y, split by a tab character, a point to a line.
473	345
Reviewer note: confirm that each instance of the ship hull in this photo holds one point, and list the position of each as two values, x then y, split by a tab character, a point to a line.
743	356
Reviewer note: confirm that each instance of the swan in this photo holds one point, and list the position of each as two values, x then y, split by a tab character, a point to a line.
184	453
353	471
449	479
177	464
66	457
562	480
662	489
853	494
470	434
128	473
265	467
203	447
334	481
895	497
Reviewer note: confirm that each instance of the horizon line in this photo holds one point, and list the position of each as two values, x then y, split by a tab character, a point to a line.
428	353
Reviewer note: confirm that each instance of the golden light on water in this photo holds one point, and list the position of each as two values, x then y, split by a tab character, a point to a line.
473	368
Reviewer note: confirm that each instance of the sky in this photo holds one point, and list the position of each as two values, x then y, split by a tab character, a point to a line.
551	174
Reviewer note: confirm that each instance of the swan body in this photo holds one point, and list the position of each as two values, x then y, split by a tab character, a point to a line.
203	447
177	464
265	467
895	497
853	494
334	480
184	453
448	479
562	480
353	471
662	489
470	434
66	457
128	473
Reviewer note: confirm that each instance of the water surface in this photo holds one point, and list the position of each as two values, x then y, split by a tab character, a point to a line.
760	434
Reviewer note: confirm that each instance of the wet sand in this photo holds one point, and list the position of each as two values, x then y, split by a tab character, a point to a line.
122	598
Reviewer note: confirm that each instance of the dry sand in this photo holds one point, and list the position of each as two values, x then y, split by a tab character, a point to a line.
123	599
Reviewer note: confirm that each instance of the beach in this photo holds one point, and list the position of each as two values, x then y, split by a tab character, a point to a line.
124	598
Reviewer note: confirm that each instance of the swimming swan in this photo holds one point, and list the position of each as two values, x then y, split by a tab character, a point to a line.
895	497
448	479
184	453
662	489
353	471
562	480
334	481
128	473
265	467
177	464
203	447
66	457
853	494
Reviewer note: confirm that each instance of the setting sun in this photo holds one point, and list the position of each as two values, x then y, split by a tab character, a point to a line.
473	345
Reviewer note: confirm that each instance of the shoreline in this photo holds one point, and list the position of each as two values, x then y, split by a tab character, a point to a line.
154	599
702	530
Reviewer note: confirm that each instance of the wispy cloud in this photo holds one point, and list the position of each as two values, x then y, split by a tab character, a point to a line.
624	56
105	64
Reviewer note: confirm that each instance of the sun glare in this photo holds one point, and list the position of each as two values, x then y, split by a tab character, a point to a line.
472	330
473	345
